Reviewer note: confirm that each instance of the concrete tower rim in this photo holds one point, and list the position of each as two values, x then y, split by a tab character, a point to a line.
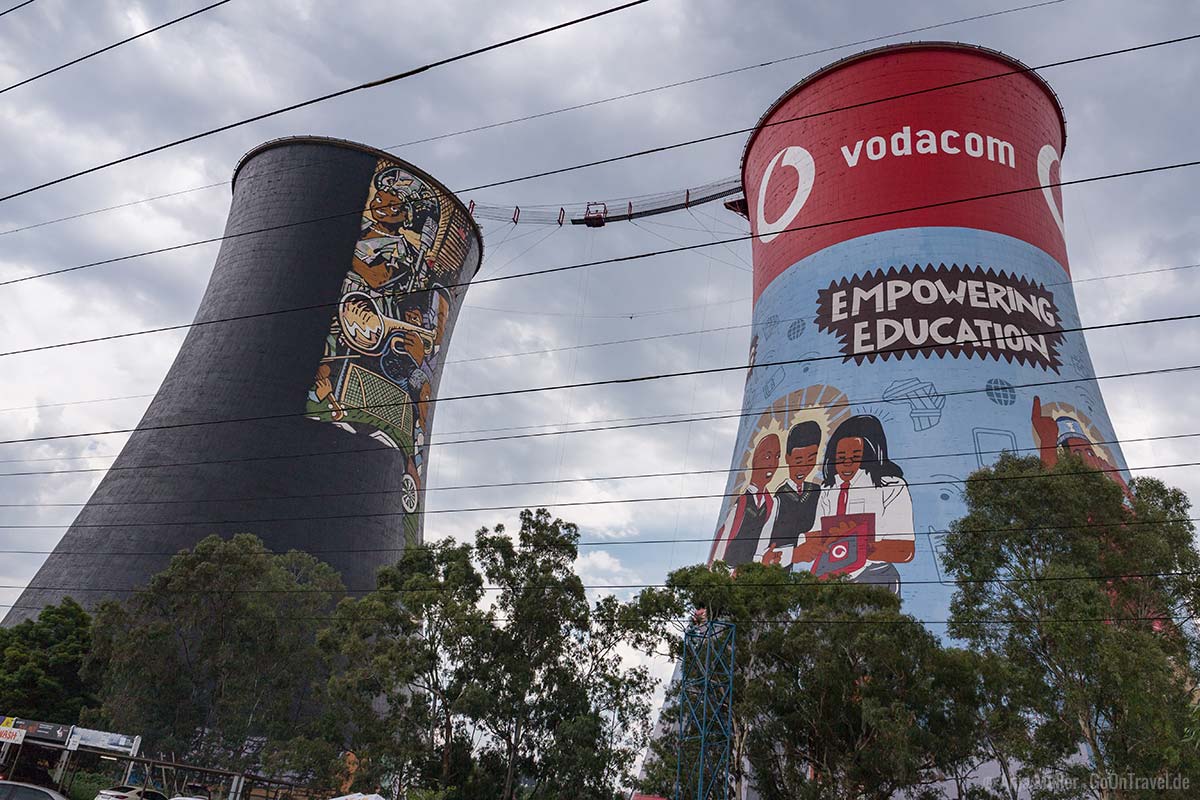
348	144
917	46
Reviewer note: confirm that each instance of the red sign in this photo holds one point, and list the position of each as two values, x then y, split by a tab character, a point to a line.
934	147
846	539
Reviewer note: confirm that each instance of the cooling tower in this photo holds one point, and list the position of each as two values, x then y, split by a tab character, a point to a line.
905	334
301	403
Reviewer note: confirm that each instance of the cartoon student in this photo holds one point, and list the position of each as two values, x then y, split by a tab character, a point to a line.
737	541
795	500
865	516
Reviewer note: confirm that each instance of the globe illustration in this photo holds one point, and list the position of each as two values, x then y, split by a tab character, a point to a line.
796	329
1001	392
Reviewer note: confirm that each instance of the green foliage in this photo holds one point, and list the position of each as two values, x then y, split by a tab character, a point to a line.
520	697
1076	600
86	785
837	694
218	653
400	680
851	689
40	663
1070	592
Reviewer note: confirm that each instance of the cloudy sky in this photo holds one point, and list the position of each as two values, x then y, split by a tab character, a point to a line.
250	56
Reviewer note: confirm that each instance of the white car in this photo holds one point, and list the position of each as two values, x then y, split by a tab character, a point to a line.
11	790
128	793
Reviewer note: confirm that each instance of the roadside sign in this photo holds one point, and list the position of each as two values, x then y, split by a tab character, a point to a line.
12	735
41	731
103	740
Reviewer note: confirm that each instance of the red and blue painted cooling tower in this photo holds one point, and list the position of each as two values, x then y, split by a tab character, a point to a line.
913	312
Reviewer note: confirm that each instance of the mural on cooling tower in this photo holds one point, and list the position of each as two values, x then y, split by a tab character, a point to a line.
883	384
913	315
378	375
936	369
817	491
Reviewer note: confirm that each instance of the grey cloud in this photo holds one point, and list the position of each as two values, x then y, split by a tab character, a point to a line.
247	58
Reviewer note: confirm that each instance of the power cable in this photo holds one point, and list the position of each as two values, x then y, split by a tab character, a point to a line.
627	95
622	586
598	542
112	46
116	207
589	345
569	503
898	351
552	270
837	109
679	420
683	621
663	148
14	8
329	96
723	73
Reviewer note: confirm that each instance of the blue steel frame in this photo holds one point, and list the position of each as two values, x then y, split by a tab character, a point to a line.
706	712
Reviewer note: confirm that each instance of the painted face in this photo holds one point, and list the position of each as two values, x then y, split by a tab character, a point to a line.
387	207
1084	449
849	457
801	462
413	316
765	461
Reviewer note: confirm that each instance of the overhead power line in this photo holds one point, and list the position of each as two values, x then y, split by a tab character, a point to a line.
662	419
898	351
567	503
562	268
683	621
564	349
664	148
1011	581
112	46
838	109
670	420
724	73
595	542
329	96
14	8
579	106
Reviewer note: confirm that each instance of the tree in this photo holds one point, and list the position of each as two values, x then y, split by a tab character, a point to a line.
846	699
515	690
557	707
219	653
759	593
836	693
1080	593
401	651
40	663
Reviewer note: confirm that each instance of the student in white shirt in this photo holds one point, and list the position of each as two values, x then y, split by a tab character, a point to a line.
860	479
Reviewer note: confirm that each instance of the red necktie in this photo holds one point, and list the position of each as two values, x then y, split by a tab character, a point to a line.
843	498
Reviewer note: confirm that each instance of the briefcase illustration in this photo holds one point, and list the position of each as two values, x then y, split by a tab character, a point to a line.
848	536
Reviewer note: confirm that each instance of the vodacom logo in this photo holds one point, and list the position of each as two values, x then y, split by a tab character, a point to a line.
1050	179
800	160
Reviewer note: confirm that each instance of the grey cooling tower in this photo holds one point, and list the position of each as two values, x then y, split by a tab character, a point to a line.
300	405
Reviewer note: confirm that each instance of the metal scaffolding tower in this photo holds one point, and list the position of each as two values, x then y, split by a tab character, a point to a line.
706	711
